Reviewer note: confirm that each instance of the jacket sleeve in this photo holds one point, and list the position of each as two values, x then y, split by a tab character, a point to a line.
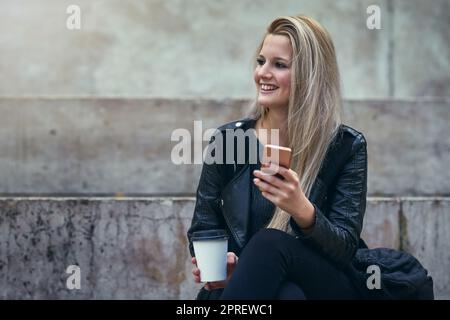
337	233
207	210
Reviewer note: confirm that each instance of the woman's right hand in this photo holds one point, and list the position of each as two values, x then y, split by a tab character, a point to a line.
232	260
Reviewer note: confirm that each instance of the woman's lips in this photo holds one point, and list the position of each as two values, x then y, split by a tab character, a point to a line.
267	88
262	91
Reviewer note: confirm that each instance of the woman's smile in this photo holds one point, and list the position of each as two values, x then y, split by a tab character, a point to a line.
267	88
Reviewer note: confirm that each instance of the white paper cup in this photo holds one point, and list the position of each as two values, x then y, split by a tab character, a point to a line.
210	247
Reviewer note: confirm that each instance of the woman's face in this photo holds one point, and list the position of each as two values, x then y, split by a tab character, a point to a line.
273	72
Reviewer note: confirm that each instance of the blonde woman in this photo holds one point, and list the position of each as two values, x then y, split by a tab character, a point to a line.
292	235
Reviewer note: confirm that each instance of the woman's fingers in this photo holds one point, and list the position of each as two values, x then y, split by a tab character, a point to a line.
195	271
269	178
266	187
270	197
231	258
215	285
288	174
270	169
196	274
231	263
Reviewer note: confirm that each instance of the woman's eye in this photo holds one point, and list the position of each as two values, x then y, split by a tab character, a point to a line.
280	65
260	61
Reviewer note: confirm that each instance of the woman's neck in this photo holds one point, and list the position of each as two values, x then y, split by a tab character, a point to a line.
274	120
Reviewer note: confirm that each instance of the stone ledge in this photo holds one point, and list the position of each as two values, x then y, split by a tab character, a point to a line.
136	248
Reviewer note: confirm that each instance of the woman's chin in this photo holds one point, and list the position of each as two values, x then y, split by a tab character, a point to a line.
267	102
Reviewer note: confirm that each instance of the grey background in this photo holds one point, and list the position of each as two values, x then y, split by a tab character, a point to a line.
90	112
203	48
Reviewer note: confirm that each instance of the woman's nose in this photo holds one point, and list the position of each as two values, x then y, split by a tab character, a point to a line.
264	72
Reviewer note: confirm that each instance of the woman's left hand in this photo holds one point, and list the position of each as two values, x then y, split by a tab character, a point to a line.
286	194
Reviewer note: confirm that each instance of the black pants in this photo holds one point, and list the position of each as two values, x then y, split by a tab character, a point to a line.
275	265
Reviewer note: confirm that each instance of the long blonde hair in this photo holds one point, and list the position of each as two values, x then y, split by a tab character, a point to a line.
314	114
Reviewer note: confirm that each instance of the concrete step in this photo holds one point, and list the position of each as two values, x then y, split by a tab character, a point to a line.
136	248
109	145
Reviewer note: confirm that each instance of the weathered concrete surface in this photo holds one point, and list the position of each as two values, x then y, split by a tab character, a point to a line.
90	145
101	145
126	249
204	48
426	234
421	48
408	145
381	223
135	248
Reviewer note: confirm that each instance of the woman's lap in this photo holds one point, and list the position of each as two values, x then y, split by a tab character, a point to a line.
273	258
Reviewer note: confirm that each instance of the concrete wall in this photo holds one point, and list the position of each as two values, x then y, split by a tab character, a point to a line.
202	48
91	111
124	145
135	248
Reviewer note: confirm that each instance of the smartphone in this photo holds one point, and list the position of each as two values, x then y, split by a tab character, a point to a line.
280	156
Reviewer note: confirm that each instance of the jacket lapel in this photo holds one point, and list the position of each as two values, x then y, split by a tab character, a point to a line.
236	205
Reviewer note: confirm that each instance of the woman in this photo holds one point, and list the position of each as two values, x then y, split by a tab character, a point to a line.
295	233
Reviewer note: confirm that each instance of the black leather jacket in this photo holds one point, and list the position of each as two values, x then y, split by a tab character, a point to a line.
338	196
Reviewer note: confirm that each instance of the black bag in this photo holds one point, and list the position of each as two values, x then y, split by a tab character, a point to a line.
401	275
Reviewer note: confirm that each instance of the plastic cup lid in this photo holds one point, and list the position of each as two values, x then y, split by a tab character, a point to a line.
209	235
